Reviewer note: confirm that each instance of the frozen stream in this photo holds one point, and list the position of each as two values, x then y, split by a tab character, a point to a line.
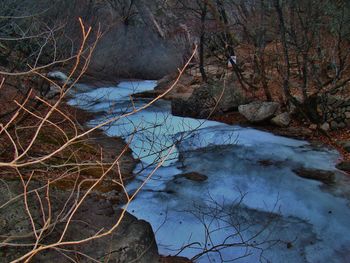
252	206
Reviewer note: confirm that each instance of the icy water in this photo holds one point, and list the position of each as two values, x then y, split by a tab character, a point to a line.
252	207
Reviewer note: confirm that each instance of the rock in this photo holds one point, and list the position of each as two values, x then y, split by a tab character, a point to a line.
207	99
60	78
292	109
344	166
199	105
325	126
334	125
341	125
53	92
194	176
229	97
327	177
347	122
331	100
282	120
313	127
181	107
345	145
149	94
57	75
336	113
259	111
165	82
266	163
132	240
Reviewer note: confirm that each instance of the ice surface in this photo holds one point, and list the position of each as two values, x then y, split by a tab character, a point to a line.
245	205
154	130
320	220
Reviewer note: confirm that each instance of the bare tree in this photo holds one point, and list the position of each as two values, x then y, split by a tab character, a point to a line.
22	159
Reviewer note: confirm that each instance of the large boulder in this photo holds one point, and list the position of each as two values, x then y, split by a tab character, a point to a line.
207	99
132	241
146	56
258	111
128	48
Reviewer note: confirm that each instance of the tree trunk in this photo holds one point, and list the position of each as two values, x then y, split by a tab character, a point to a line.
286	75
201	43
219	13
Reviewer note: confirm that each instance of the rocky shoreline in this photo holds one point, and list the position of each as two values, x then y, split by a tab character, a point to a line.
191	98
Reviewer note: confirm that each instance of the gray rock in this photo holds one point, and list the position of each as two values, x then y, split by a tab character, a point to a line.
259	111
231	97
57	75
282	120
341	125
325	126
347	114
53	92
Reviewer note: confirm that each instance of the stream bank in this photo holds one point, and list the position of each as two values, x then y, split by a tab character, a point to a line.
133	240
218	102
